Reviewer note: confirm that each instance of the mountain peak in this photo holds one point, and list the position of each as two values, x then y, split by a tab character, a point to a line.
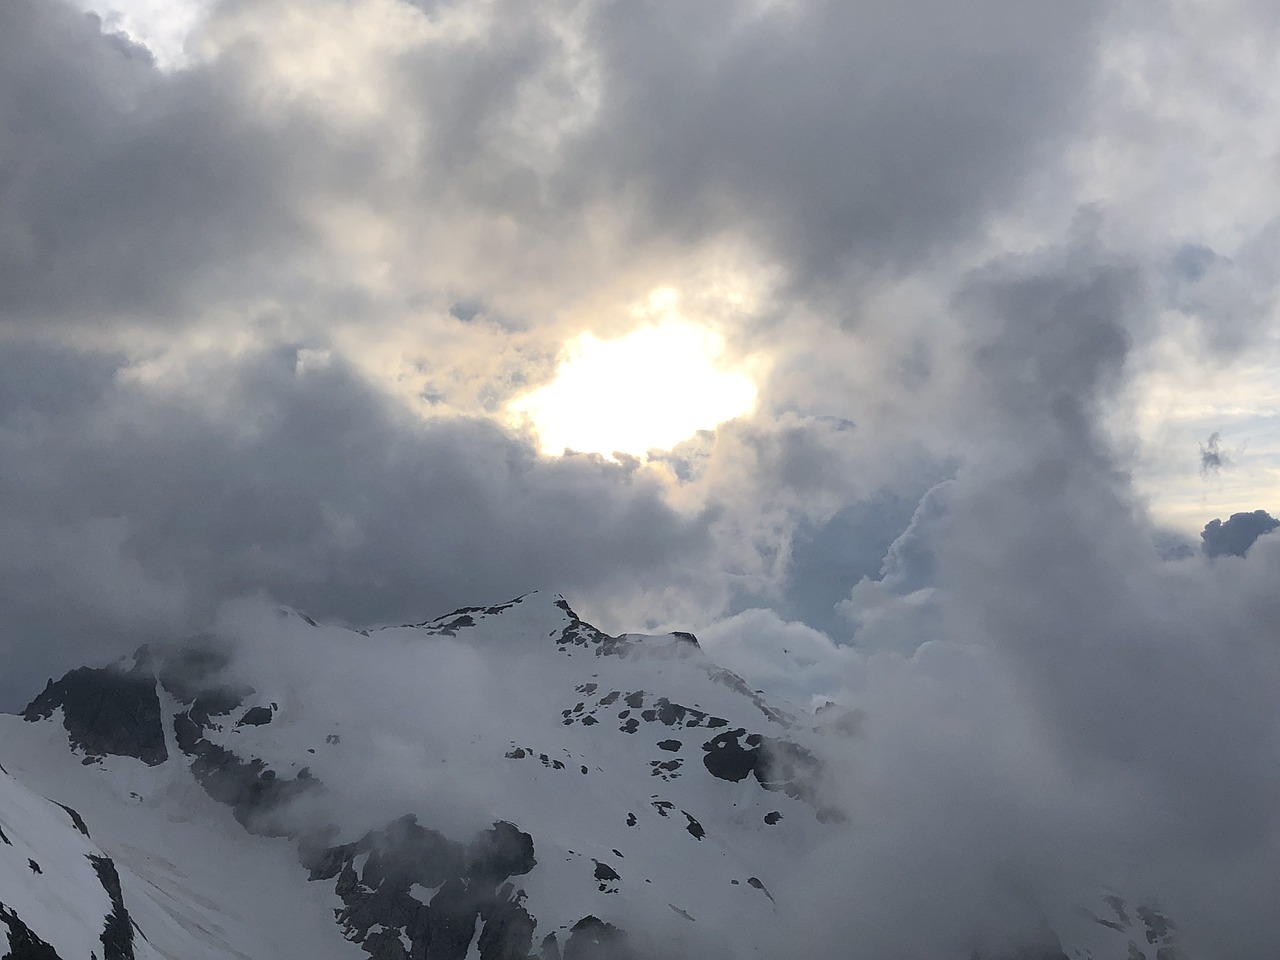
538	614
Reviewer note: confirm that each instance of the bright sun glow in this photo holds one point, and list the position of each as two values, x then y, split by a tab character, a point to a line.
162	26
648	390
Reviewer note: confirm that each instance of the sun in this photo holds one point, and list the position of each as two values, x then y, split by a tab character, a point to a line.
648	390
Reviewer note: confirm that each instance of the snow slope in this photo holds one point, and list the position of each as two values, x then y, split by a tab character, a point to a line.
194	882
57	889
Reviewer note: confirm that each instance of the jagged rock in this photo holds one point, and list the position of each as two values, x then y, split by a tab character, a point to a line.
23	944
593	939
255	717
76	819
500	852
107	712
508	928
776	764
117	935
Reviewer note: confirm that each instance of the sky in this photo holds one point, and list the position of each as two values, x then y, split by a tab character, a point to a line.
969	313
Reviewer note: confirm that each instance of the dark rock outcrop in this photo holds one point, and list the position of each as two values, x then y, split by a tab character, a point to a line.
693	826
23	944
470	882
76	819
374	875
256	794
776	764
500	852
579	633
107	712
508	928
460	619
593	939
255	717
117	933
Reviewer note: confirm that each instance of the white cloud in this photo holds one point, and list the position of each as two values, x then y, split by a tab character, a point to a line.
790	660
164	27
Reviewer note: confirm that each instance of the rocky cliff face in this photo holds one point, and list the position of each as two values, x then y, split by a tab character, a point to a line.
112	712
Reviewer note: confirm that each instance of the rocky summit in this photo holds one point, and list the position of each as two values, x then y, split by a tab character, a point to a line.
503	783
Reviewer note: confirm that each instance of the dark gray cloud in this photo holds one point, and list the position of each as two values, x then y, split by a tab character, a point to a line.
1212	459
1234	536
131	511
835	130
130	195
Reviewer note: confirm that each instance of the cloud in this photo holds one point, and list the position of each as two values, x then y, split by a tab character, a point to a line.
129	192
1234	536
133	508
834	131
791	661
540	163
1073	709
1212	459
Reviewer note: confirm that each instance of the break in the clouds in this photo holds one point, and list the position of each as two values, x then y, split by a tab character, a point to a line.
273	276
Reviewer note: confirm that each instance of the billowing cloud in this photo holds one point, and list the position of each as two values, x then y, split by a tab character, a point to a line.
530	162
834	131
1114	719
1235	535
133	508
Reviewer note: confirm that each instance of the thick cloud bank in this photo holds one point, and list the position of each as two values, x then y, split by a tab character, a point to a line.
133	510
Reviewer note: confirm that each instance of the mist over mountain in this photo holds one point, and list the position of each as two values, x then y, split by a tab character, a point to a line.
502	782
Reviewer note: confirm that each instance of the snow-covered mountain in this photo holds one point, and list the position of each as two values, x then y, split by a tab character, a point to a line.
500	783
61	892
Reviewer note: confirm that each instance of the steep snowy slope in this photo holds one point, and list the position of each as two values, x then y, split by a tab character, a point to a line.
502	782
196	886
59	893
